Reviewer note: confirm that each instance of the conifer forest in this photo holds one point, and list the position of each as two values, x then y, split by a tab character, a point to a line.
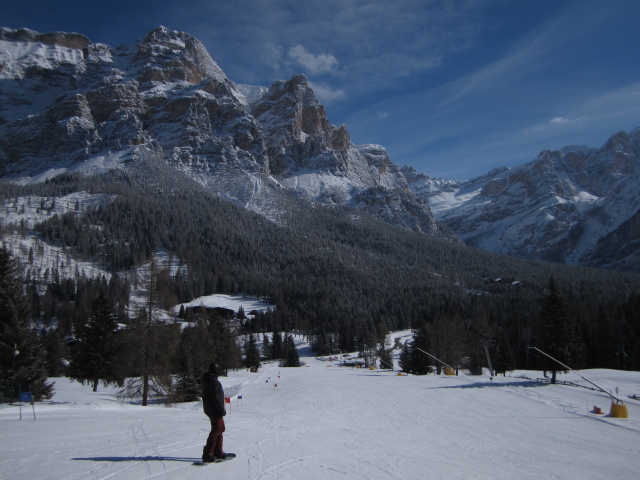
337	275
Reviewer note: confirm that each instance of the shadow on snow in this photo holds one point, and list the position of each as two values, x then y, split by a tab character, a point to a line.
139	459
497	384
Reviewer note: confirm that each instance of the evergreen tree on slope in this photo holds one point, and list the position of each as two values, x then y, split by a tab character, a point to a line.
422	363
251	353
291	357
553	333
95	359
22	357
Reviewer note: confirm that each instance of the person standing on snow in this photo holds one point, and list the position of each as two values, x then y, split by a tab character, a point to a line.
213	403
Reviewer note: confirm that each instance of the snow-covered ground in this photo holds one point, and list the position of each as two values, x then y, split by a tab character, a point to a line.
324	421
232	302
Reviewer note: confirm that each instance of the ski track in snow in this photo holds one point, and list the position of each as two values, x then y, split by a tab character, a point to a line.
329	422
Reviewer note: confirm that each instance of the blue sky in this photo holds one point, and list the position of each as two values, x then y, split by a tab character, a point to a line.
453	88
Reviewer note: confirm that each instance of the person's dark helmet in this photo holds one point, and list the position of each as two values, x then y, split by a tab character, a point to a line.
213	369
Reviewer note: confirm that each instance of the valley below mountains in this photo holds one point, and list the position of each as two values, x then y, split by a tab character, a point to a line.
114	158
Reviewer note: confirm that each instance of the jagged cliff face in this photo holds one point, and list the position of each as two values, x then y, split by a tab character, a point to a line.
165	93
296	128
69	104
577	205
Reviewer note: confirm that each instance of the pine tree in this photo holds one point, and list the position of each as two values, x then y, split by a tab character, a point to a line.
96	356
504	359
226	352
187	386
448	340
476	360
195	353
421	362
276	346
266	346
553	334
413	357
405	361
57	352
22	357
251	353
368	349
291	357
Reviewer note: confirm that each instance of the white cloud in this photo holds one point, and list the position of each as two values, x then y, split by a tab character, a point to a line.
605	111
545	129
326	94
322	63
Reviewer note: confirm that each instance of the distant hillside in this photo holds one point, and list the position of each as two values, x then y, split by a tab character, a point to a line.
327	270
577	205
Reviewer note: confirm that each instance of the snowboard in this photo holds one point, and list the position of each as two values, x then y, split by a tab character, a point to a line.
229	456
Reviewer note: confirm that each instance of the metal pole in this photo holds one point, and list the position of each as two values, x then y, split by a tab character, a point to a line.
32	403
486	344
427	353
390	366
486	351
579	374
15	373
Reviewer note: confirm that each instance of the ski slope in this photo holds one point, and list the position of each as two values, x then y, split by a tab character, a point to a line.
324	421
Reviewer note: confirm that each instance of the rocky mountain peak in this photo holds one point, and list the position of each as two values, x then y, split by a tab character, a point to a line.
166	100
576	205
61	39
296	126
340	139
295	101
166	55
618	141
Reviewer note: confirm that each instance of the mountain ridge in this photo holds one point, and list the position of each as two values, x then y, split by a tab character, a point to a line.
574	205
167	95
67	104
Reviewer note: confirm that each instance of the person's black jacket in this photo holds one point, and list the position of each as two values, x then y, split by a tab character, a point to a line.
212	396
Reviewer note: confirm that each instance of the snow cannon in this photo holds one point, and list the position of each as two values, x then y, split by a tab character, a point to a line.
449	371
618	410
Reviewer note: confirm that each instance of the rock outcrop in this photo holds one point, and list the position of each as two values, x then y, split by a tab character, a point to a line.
66	100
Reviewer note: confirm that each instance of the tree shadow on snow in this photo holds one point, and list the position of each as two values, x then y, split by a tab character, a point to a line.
531	383
140	459
305	351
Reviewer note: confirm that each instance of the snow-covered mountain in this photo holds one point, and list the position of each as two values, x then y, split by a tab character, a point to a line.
576	205
70	105
67	104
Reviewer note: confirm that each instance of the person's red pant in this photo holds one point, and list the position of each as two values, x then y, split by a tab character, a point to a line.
214	441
